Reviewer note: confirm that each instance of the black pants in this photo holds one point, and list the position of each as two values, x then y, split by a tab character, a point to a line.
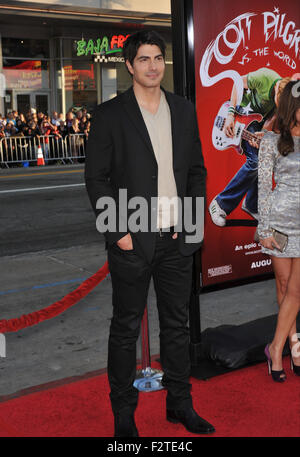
172	277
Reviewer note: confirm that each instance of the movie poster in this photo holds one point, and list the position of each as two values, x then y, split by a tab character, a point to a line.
244	51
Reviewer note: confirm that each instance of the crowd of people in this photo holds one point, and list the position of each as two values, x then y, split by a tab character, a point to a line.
39	124
36	128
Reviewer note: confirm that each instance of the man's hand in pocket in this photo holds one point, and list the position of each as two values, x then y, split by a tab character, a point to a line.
125	243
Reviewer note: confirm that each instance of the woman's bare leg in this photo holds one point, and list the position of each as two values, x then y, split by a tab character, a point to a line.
288	311
282	269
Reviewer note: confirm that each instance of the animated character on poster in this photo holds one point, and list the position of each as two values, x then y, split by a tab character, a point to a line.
236	129
242	121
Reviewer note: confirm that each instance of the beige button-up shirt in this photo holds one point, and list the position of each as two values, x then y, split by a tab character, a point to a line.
160	132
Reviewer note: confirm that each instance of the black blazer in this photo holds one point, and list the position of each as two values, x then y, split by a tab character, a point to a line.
120	156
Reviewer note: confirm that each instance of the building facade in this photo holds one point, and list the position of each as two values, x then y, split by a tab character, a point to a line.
63	56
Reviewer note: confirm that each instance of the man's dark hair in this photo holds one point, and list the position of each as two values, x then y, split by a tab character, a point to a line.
135	40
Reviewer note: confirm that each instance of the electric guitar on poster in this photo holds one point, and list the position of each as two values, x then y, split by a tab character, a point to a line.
241	123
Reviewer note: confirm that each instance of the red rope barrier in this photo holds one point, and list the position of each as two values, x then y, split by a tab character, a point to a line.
12	325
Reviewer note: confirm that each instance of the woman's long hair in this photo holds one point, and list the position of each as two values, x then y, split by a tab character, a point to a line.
289	103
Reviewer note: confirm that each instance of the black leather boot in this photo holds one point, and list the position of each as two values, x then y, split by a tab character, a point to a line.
125	424
190	419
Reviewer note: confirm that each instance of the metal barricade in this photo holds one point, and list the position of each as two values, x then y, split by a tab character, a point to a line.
75	145
15	149
22	149
53	148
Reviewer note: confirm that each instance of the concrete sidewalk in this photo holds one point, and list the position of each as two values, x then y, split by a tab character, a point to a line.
75	342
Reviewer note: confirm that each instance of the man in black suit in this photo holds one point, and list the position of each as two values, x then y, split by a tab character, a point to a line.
145	143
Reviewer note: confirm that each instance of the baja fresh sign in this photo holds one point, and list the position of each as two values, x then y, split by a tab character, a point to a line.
104	45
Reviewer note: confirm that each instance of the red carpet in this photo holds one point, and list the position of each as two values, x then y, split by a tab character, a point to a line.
244	403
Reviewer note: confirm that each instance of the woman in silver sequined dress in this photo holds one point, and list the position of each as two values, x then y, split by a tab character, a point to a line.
279	209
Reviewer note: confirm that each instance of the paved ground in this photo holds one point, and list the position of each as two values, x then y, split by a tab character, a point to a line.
75	342
48	246
44	208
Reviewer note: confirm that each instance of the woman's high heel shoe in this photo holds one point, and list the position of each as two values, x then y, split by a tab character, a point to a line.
276	374
294	368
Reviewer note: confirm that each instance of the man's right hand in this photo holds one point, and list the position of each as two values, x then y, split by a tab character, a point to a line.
229	126
255	142
125	243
